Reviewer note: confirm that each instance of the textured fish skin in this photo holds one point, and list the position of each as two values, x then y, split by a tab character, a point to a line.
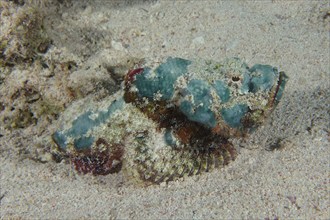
171	119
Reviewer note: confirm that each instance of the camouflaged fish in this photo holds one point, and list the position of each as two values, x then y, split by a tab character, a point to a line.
171	119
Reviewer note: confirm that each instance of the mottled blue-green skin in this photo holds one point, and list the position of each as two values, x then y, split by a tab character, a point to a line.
259	78
222	91
82	124
262	78
167	74
199	111
234	115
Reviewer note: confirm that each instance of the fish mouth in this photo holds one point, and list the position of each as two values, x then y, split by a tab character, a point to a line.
279	89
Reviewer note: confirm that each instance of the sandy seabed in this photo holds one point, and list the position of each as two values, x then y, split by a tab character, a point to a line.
290	182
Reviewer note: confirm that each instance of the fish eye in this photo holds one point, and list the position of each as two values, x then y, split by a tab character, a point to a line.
235	78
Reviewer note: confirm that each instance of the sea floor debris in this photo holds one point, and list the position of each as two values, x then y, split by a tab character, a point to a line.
170	119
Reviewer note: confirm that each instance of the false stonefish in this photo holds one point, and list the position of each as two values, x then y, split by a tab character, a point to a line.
170	119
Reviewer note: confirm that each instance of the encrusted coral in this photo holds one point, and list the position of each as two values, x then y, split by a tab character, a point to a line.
22	34
170	120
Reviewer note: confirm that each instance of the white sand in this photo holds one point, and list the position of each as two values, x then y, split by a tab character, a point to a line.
292	182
